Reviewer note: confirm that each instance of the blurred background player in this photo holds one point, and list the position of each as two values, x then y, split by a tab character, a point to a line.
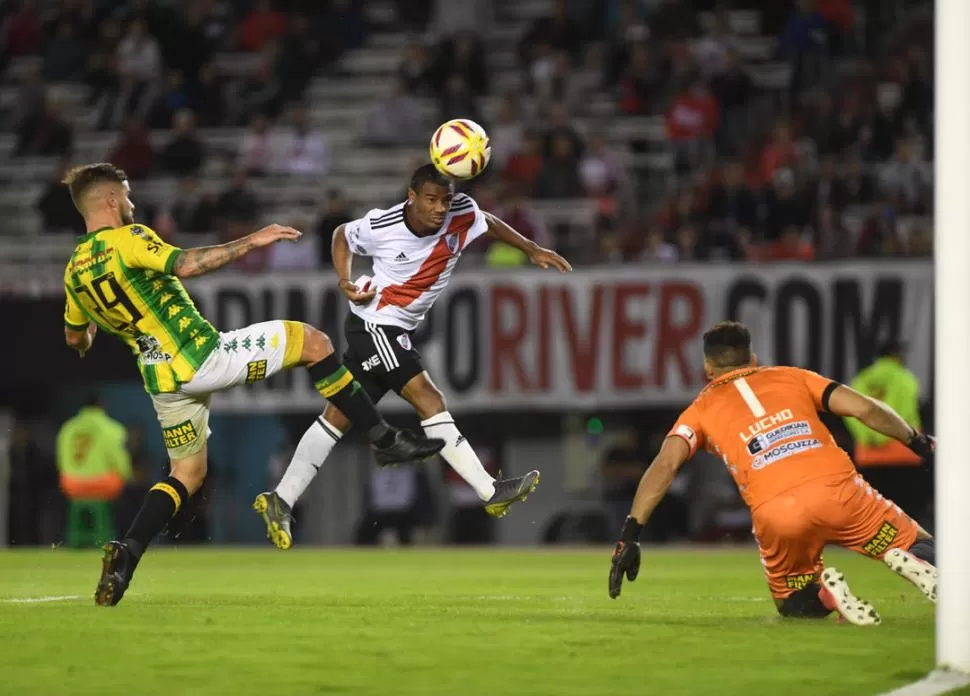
94	467
125	280
889	465
414	247
802	488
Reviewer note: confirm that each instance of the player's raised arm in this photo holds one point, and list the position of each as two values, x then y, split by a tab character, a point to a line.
343	260
848	403
544	258
189	263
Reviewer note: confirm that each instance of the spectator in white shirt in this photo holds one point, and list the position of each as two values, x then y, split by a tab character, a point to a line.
139	58
506	135
396	120
301	256
906	179
140	69
254	151
711	51
300	150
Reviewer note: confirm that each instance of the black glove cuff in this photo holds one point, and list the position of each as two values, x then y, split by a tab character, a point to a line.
920	443
631	530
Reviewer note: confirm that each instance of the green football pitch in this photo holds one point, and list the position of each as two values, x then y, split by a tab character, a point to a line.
429	622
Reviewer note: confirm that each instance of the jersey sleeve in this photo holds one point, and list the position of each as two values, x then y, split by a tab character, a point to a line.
360	237
140	247
74	317
464	205
820	388
689	429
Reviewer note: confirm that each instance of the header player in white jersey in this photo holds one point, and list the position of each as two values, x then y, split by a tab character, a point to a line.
414	246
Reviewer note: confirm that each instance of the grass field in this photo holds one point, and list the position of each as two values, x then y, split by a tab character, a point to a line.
214	621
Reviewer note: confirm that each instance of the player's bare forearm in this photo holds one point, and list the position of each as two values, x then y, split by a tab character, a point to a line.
202	260
544	258
875	414
503	232
656	481
343	258
883	419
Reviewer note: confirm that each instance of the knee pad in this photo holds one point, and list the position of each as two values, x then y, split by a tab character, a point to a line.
925	550
804	604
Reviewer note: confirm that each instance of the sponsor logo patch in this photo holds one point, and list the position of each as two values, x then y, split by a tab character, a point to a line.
783	451
765	440
879	543
179	435
800	581
150	351
255	371
371	362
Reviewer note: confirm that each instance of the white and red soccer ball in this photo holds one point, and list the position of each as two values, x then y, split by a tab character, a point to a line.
460	149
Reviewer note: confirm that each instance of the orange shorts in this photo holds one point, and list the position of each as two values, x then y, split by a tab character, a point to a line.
793	528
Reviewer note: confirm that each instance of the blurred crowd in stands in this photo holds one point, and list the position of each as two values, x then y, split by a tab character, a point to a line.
836	163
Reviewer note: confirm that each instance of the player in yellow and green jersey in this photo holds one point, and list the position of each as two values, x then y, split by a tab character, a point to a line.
123	279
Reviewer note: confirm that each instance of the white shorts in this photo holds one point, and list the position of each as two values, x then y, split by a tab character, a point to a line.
243	356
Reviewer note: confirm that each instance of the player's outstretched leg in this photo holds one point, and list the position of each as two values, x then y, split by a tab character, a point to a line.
916	566
835	594
337	385
497	495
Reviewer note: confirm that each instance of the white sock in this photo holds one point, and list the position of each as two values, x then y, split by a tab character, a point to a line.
314	448
459	454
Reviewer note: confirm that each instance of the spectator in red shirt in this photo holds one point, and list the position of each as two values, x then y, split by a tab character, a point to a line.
134	152
642	84
778	153
789	247
690	122
21	33
262	25
524	164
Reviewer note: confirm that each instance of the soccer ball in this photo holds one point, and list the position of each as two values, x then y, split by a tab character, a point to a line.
460	149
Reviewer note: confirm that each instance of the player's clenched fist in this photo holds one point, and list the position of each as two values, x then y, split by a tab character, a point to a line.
626	557
922	444
356	294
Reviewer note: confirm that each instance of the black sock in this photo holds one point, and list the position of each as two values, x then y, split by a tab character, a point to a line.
337	385
162	502
925	550
804	604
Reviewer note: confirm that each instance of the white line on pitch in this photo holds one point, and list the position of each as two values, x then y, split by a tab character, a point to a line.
39	600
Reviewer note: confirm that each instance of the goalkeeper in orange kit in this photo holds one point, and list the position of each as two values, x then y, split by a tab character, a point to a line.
802	489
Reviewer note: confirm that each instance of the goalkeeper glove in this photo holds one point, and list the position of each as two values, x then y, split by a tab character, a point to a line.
626	556
922	444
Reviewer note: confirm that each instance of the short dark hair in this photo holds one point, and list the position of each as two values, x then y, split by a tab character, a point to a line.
428	174
728	344
80	179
